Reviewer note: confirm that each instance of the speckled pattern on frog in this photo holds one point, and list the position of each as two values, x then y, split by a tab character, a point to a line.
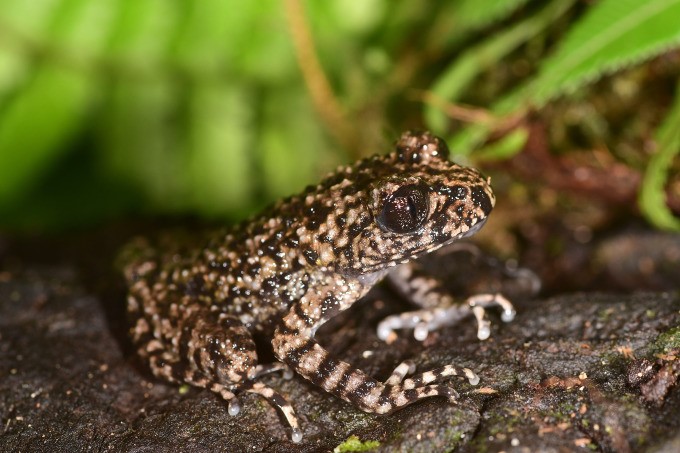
287	271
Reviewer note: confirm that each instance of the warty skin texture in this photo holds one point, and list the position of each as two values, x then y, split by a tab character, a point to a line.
196	304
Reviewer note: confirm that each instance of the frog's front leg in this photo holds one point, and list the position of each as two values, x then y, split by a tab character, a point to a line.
294	344
438	307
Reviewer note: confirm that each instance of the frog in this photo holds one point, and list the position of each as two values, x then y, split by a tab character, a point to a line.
196	305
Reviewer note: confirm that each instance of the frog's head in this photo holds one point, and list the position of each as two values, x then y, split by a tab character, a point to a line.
426	203
392	208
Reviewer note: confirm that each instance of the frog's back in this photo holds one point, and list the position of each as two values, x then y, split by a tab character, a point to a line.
252	271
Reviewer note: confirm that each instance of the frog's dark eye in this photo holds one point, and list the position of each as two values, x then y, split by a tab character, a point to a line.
405	210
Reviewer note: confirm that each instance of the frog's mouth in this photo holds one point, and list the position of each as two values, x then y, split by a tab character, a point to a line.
470	232
473	230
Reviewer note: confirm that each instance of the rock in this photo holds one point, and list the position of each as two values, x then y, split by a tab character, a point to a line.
590	370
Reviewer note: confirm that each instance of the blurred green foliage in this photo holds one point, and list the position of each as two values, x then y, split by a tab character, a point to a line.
215	107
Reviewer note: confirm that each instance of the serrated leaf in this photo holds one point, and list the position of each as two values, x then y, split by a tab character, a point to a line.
456	21
457	77
613	34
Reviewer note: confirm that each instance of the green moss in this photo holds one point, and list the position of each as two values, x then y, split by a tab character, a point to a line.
668	340
503	422
605	314
563	411
453	438
353	444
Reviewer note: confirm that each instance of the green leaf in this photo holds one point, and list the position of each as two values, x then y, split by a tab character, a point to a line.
34	127
28	19
142	34
204	34
138	134
505	147
613	34
239	39
458	76
139	141
292	150
480	13
357	18
220	148
21	23
455	21
652	196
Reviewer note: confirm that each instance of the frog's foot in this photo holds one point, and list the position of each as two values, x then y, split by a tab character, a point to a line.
407	367
279	402
273	397
399	391
427	320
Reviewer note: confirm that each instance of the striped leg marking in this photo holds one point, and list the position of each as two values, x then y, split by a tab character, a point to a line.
408	367
280	403
274	398
400	372
339	378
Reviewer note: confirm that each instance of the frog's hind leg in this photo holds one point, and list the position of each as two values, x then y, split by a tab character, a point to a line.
293	344
339	378
408	367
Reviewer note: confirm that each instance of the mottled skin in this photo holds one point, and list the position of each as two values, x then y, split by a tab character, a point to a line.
287	271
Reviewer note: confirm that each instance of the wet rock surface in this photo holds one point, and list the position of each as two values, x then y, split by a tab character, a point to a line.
584	371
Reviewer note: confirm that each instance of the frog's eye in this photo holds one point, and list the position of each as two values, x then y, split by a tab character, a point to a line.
405	210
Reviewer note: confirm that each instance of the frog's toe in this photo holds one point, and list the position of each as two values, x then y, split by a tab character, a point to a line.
273	397
279	402
428	320
436	375
408	367
400	372
480	302
234	407
421	321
